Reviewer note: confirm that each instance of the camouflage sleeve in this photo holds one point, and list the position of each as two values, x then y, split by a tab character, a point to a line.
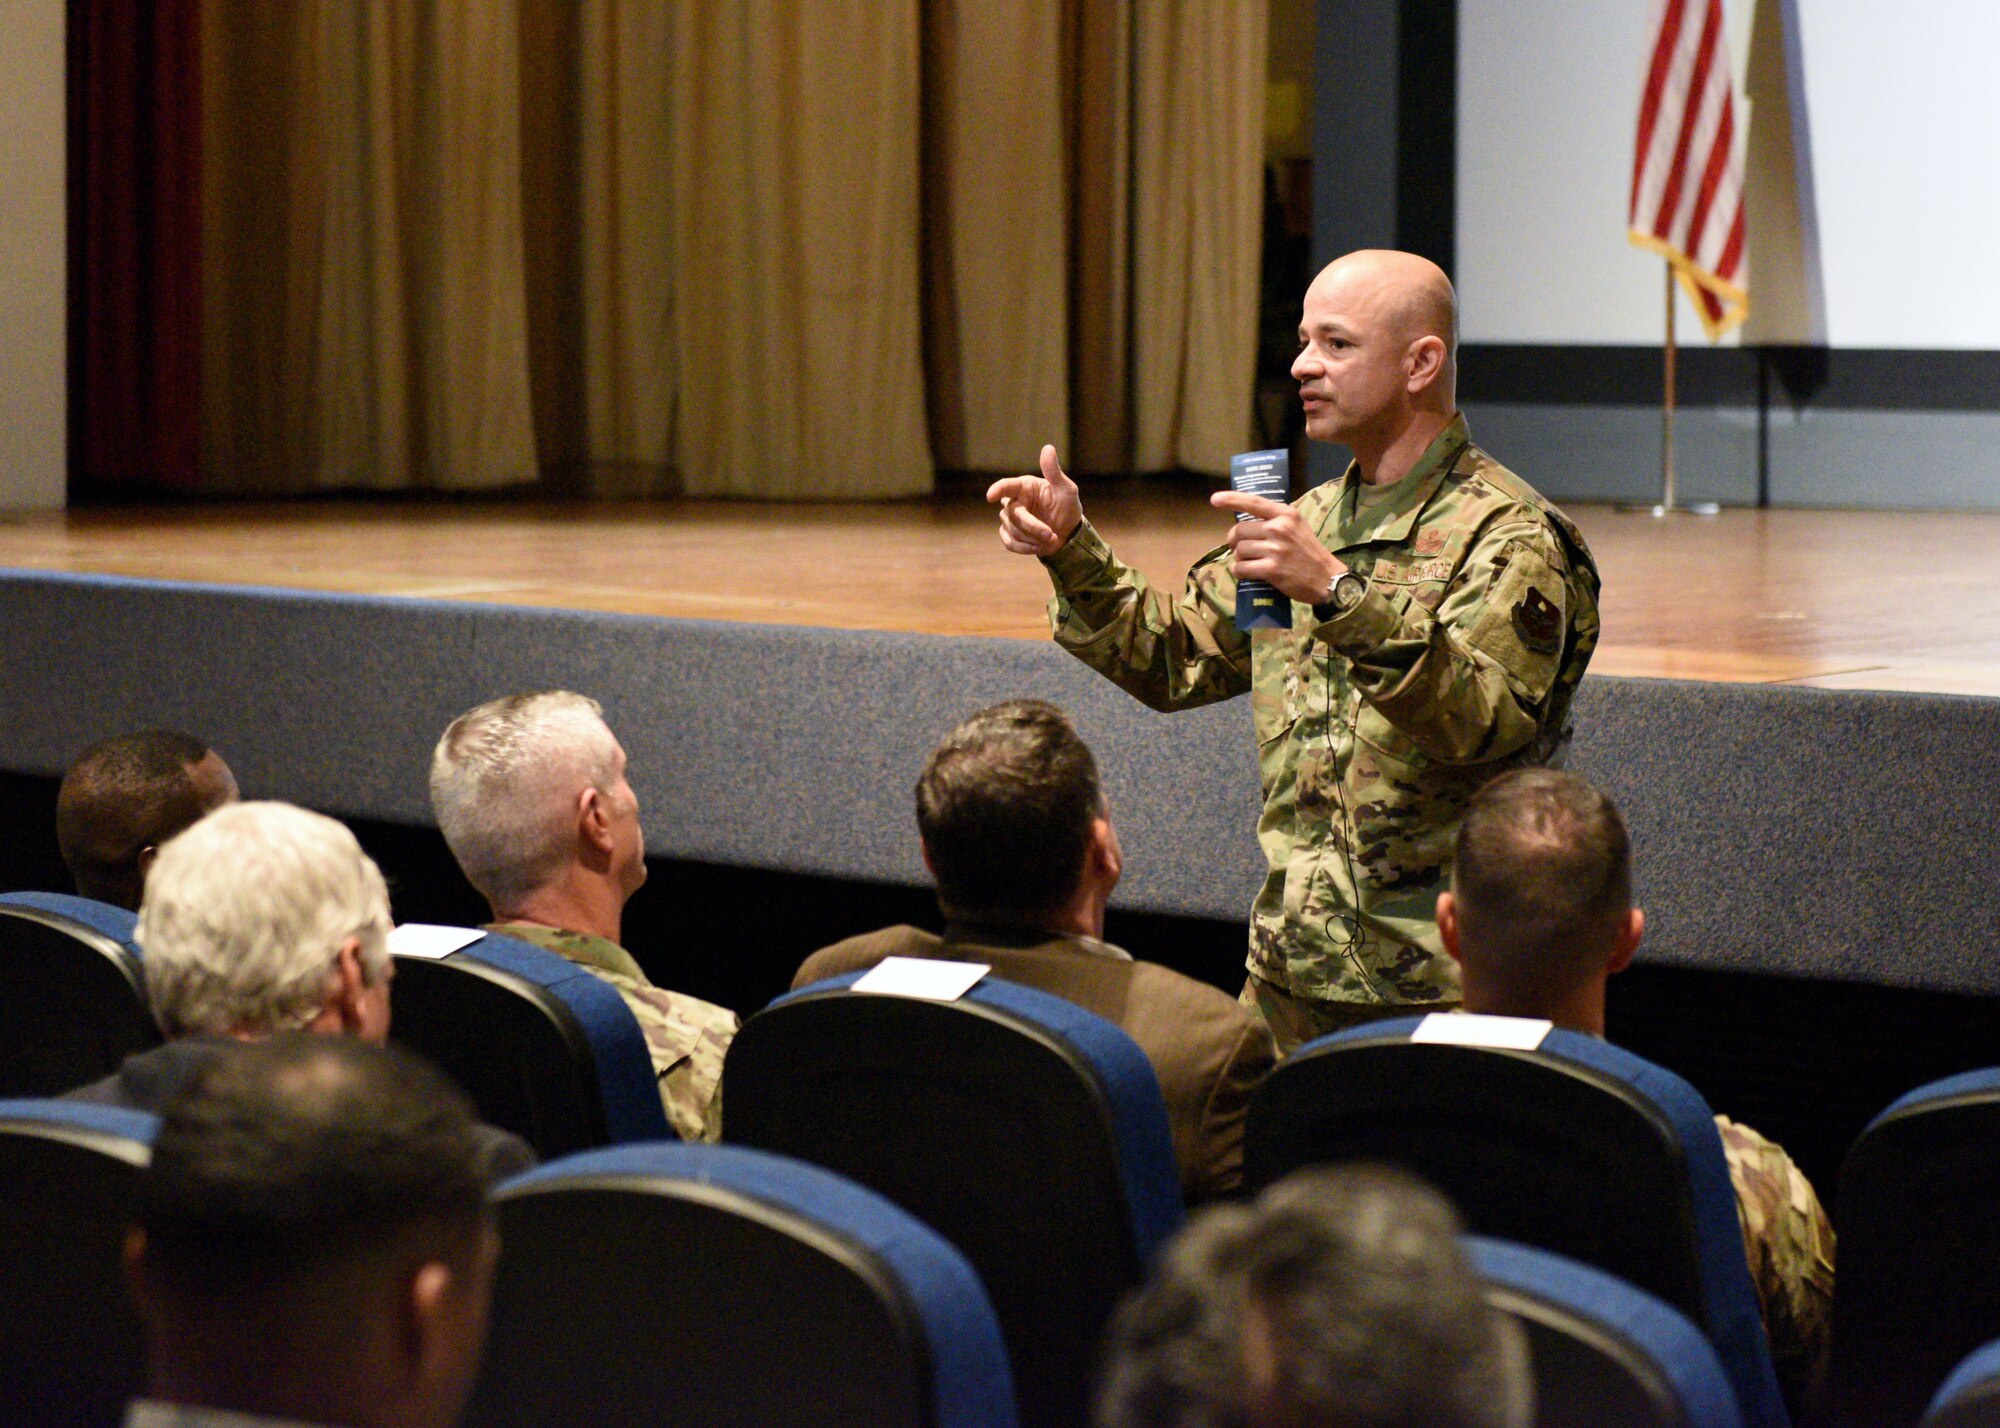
1466	682
688	1040
1789	1242
1168	655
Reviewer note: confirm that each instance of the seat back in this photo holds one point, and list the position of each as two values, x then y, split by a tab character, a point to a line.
1577	1147
1028	1132
71	1351
1918	1242
1970	1396
72	994
671	1283
1603	1351
544	1048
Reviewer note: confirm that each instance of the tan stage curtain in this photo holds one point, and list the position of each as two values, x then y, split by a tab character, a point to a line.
1198	126
363	266
796	249
773	248
1093	182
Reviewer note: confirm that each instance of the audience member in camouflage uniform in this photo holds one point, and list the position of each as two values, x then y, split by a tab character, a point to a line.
1443	614
1538	917
531	795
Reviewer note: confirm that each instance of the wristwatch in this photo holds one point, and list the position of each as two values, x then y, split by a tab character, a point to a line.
1341	596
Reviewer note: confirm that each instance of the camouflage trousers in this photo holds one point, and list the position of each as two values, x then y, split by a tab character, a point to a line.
1296	1020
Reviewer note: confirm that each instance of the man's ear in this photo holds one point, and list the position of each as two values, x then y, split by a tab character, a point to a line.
1426	362
423	1320
593	820
145	860
350	979
1630	930
1447	911
1106	851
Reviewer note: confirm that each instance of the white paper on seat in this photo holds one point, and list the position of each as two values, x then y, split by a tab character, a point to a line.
1506	1033
922	977
431	939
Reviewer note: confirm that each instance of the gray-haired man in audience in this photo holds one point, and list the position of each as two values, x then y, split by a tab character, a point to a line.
261	919
531	795
1339	1299
314	1243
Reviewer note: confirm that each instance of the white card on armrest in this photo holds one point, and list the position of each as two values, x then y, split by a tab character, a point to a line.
430	939
922	977
1507	1033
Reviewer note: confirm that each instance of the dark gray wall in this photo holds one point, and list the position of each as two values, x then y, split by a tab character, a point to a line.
1795	831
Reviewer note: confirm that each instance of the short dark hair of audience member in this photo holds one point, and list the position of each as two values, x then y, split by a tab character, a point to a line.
313	1238
1541	889
124	797
1341	1298
1010	810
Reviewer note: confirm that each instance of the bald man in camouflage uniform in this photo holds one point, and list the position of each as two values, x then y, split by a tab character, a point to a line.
1443	614
1539	916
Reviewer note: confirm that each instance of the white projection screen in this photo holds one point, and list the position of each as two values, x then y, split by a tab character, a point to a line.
1905	163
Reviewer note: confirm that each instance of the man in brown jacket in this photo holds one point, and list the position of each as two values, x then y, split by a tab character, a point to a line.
1018	835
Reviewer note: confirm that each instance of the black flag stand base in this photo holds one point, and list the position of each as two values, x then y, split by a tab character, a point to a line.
1666	505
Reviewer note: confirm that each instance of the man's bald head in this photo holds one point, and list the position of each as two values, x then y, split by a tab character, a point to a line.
1408	293
124	797
1378	348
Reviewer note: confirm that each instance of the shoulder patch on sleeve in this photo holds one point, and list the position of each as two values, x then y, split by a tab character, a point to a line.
1524	619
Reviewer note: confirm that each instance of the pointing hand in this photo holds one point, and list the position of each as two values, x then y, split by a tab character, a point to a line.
1037	513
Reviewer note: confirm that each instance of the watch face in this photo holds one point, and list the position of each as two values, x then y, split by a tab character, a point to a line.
1348	590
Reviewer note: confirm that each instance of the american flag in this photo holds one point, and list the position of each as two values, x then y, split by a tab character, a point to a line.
1687	169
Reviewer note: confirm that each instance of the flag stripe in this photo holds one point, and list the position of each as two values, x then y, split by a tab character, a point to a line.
1677	170
1711	178
1656	81
1687	173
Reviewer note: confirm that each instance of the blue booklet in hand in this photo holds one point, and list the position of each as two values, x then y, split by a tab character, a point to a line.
1260	606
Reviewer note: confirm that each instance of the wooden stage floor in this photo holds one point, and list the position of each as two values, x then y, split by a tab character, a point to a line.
1864	600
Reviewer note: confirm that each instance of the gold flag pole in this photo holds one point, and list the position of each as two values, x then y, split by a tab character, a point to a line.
1666	505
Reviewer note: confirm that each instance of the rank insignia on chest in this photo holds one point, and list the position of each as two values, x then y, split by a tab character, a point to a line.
1538	622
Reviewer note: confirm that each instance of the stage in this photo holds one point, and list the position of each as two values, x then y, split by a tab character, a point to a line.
1815	863
1838	599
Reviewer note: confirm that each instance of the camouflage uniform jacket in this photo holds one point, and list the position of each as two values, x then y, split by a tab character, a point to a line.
1373	728
1789	1241
687	1036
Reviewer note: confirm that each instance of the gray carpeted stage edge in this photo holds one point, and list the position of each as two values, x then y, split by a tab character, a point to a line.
1797	831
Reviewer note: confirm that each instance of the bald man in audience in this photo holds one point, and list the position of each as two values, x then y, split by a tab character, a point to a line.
1441	614
126	796
1538	917
531	795
1017	832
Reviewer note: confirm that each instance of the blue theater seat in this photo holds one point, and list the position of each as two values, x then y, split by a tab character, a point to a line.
1919	1214
1603	1351
1029	1132
70	1349
543	1047
1578	1147
1970	1397
696	1284
72	993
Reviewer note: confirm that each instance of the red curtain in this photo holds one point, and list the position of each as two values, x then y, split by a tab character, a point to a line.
134	245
